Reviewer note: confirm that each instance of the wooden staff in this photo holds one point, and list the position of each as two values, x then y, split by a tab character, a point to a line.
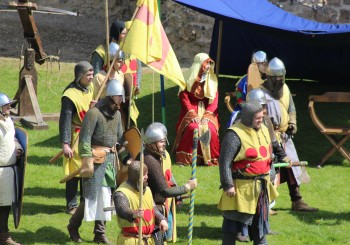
70	176
285	164
141	186
105	79
107	34
58	155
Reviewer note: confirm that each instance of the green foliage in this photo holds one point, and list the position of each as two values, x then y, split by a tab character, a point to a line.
44	220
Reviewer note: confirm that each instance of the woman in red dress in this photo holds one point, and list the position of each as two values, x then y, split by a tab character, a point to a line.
199	103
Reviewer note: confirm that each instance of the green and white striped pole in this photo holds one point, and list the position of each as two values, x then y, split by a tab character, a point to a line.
193	176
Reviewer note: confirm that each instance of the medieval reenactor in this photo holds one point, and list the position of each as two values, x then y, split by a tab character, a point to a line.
10	151
260	59
281	110
160	177
117	33
245	161
129	214
101	138
76	100
199	109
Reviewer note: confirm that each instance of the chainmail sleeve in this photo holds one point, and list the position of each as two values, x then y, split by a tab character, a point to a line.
230	147
65	124
157	182
97	62
159	216
122	206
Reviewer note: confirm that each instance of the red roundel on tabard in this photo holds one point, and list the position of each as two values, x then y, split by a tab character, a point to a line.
147	215
251	153
133	65
124	68
263	151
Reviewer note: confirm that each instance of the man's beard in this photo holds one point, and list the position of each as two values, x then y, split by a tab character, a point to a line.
277	91
275	88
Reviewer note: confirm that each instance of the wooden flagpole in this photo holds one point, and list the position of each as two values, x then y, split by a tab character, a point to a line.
141	186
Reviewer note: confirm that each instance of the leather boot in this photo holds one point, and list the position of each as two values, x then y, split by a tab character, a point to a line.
229	238
101	238
5	239
74	234
300	205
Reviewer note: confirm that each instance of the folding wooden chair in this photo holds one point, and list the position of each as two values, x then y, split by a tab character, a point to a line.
336	135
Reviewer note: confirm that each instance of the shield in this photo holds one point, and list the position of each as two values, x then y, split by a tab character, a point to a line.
133	137
19	169
253	77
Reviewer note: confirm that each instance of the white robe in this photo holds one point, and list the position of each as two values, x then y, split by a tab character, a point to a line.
7	157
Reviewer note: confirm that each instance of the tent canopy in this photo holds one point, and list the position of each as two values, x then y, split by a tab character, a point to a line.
309	49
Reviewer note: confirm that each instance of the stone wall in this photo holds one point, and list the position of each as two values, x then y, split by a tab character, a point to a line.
189	31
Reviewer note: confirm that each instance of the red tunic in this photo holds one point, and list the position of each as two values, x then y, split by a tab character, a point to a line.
184	127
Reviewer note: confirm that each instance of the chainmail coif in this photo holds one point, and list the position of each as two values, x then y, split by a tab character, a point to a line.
248	112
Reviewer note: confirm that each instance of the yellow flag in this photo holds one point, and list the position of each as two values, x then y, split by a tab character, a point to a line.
147	41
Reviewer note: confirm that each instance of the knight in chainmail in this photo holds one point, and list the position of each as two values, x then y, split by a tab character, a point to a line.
160	178
101	129
127	206
75	102
281	109
279	154
245	160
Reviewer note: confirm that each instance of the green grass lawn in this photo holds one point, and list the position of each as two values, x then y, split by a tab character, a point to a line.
44	221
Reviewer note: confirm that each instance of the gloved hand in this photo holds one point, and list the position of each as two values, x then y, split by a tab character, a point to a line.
191	184
292	129
179	201
287	160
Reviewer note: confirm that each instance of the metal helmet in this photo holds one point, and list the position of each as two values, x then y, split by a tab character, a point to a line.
276	68
115	50
155	132
115	87
134	172
257	95
259	57
4	100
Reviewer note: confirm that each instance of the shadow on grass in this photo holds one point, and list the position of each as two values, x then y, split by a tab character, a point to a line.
44	235
44	160
54	141
44	192
320	217
30	209
202	231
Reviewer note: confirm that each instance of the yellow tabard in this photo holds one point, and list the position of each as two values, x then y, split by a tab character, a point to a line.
148	221
81	101
98	80
102	52
247	190
170	202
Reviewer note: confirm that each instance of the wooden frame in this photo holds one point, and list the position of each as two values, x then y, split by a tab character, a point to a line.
337	136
